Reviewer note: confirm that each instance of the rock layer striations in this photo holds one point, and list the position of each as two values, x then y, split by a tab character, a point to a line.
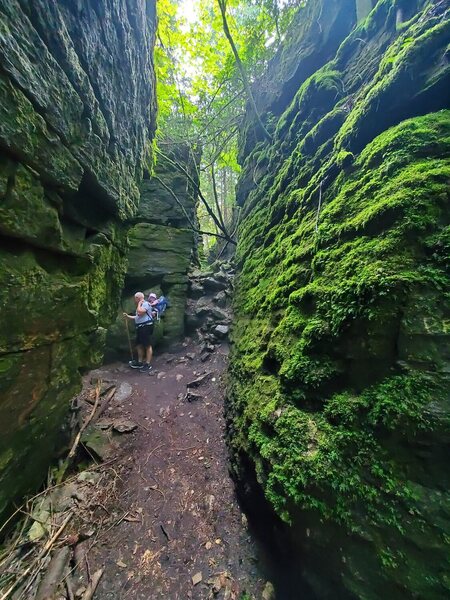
339	395
77	114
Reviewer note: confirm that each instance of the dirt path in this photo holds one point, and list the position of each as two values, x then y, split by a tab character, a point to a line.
182	520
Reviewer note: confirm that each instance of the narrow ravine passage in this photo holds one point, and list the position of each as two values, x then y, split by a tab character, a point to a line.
181	519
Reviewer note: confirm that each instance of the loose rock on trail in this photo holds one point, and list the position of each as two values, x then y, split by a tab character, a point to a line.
179	532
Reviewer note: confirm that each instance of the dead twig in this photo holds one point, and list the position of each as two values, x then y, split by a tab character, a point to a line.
152	452
53	487
90	591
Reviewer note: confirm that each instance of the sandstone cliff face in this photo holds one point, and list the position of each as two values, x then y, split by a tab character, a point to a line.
339	395
77	114
163	247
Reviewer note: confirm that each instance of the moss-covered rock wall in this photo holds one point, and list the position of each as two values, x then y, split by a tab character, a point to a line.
163	246
77	114
338	403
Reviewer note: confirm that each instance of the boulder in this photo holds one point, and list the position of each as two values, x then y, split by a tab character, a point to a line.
221	331
221	299
212	284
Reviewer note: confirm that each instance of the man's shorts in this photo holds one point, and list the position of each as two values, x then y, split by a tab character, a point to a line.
144	335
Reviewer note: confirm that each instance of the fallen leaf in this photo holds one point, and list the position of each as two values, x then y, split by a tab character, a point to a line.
208	545
121	564
197	578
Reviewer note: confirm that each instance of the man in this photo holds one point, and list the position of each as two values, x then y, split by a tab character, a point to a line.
143	321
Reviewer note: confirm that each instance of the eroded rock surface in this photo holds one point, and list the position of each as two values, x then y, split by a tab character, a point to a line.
339	396
77	114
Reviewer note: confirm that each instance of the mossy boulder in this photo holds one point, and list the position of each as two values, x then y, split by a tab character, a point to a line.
339	391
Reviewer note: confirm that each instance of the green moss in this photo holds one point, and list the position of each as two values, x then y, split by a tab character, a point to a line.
340	326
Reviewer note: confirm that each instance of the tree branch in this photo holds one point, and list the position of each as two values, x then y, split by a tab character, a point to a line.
191	224
216	196
245	80
209	210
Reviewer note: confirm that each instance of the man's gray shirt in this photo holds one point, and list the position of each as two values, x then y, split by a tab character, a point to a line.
138	319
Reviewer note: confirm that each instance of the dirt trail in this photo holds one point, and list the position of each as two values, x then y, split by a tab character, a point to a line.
182	520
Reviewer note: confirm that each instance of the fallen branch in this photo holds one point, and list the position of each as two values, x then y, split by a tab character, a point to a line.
53	576
66	463
45	550
85	424
90	591
104	404
53	487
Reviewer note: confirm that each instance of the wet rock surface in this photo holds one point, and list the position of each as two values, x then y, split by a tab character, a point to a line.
70	169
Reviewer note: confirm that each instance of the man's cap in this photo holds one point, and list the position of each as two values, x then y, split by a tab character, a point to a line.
152	295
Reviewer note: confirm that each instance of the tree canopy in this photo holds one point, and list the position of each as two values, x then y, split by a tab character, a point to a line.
202	93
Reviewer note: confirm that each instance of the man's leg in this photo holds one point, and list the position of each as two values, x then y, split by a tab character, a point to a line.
148	354
148	358
140	353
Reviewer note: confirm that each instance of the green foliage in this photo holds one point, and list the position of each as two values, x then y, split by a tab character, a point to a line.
200	93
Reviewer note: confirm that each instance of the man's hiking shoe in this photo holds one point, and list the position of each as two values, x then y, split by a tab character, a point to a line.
135	364
145	368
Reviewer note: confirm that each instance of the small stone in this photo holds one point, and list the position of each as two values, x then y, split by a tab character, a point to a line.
208	545
198	382
98	442
121	564
88	477
36	532
179	376
124	426
268	592
218	541
160	375
221	331
192	396
197	578
123	393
